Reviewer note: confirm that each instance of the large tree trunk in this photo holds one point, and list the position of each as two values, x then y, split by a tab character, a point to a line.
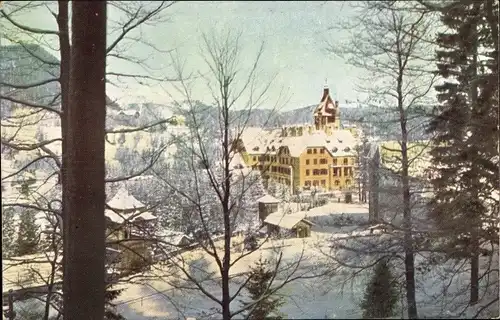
85	272
64	46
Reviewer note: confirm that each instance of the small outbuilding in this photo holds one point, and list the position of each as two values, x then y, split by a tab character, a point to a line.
296	223
267	205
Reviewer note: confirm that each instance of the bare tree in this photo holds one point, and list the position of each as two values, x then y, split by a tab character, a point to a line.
35	85
216	187
387	45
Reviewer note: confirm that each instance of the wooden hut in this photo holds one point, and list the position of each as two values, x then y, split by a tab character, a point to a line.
267	205
293	223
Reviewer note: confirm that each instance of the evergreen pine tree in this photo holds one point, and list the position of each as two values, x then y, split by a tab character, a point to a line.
28	235
465	146
381	293
262	308
109	296
8	232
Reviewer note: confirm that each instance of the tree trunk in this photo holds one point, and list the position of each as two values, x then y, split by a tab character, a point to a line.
476	225
408	238
226	299
62	23
474	270
85	272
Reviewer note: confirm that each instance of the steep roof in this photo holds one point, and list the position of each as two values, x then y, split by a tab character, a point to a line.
123	200
326	106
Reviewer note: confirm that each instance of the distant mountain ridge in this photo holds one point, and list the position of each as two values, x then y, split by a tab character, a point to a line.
375	121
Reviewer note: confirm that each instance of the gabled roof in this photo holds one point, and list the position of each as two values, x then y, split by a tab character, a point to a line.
287	221
268	199
123	200
326	106
173	238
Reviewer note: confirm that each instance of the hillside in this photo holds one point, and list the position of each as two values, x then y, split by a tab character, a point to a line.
375	121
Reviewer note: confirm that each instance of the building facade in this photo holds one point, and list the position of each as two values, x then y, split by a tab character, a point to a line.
318	155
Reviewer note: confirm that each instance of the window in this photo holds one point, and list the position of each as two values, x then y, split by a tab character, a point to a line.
334	162
323	161
307	162
315	161
268	158
346	161
324	171
321	150
346	172
315	183
315	172
254	158
348	182
335	172
337	182
315	151
308	183
308	151
323	182
261	168
307	172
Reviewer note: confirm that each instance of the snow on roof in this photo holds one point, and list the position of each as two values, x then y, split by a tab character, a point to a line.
173	237
287	221
120	217
129	112
123	200
324	107
268	199
258	140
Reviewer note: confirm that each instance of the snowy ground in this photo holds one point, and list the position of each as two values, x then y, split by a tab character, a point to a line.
159	296
319	298
304	298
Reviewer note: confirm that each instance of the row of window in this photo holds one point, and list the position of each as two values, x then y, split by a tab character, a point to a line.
272	159
316	183
314	151
282	170
308	161
335	172
325	161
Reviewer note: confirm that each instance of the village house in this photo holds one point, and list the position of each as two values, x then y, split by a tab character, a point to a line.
128	229
318	155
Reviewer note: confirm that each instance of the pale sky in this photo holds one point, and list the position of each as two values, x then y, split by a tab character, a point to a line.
294	33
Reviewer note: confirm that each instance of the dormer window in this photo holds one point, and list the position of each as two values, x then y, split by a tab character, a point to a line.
347	149
335	149
256	149
273	149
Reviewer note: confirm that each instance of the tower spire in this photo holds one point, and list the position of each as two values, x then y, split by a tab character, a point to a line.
326	83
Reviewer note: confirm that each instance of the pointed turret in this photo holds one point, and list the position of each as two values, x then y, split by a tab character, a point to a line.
327	113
